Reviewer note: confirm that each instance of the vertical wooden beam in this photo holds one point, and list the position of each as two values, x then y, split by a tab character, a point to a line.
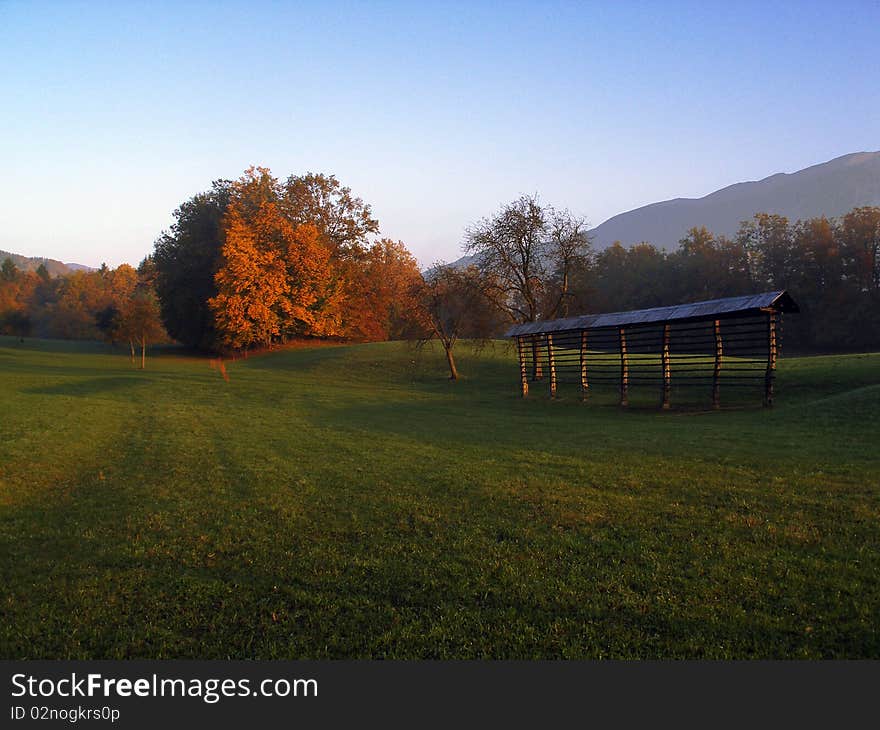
551	365
537	372
665	366
716	371
624	367
771	360
585	385
523	375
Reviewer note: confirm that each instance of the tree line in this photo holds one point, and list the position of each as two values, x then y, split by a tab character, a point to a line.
537	263
830	266
253	262
118	305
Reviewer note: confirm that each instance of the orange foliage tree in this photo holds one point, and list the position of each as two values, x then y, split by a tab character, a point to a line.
275	279
258	260
16	290
380	301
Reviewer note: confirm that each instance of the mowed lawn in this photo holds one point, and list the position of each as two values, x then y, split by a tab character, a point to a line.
350	502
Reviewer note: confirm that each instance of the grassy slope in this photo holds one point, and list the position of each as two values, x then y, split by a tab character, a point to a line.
347	502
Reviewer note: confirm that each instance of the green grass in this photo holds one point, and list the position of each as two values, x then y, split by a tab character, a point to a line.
350	502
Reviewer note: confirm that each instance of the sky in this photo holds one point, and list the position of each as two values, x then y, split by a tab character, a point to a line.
112	114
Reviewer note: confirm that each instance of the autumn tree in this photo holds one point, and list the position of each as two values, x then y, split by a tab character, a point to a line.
16	289
379	296
274	279
119	287
77	298
342	218
345	223
14	319
15	322
189	256
252	281
140	321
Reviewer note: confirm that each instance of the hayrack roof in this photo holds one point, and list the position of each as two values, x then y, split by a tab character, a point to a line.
779	301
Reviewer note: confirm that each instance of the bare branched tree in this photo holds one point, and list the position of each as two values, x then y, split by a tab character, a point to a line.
526	254
452	304
567	251
508	252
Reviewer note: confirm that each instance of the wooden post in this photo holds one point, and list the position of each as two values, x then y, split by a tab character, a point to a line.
585	386
624	368
537	373
523	376
716	372
771	360
664	365
551	364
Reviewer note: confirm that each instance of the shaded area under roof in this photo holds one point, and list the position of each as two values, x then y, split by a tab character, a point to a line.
779	301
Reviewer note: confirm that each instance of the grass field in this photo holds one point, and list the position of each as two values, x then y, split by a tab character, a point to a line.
350	502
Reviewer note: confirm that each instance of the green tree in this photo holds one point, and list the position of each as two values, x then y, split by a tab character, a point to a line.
768	243
860	241
109	322
8	270
186	259
16	323
322	201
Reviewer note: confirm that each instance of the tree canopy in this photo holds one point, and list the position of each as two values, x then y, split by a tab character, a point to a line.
256	261
528	254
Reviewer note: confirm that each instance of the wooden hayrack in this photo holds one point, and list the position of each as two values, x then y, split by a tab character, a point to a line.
732	342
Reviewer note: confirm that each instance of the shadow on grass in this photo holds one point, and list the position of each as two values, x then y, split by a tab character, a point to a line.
95	347
176	576
91	387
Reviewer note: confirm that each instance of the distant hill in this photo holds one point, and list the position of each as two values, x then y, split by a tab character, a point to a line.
32	263
830	189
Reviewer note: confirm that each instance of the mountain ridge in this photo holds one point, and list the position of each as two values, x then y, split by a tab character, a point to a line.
32	263
829	188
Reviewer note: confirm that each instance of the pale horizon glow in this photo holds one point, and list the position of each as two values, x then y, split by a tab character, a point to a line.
435	114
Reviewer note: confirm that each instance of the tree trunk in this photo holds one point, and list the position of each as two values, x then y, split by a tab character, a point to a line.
143	353
453	371
131	350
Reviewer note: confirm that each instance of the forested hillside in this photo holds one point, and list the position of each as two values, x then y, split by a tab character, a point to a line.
32	263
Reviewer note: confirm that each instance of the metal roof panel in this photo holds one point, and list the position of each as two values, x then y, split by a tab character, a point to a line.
779	300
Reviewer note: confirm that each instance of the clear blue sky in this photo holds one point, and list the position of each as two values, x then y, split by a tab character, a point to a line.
111	114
